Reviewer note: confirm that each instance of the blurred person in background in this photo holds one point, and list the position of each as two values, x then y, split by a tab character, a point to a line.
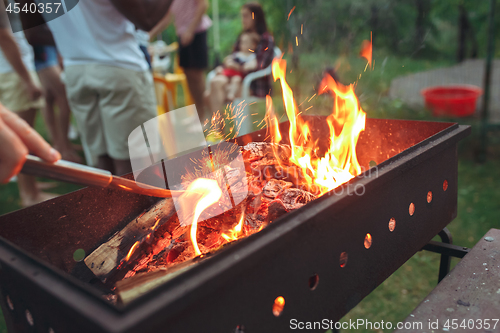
191	25
109	86
19	92
17	139
247	60
49	73
253	21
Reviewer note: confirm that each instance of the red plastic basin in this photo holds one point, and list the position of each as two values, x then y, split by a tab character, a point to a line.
458	101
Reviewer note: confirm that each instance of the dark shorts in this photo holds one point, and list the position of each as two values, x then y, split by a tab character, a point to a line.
194	55
45	56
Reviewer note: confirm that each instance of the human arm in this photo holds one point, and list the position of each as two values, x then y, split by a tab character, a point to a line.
250	65
160	26
144	14
17	139
13	55
188	35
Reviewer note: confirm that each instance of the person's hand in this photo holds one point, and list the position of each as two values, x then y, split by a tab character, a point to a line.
17	139
187	38
34	92
231	63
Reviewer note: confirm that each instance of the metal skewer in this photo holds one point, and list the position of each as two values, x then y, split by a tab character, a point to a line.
84	175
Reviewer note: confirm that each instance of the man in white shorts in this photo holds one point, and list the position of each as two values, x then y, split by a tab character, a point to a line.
110	89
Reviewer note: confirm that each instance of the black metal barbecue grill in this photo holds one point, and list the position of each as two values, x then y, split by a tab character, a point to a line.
318	258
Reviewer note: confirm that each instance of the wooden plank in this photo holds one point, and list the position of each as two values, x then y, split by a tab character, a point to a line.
468	295
104	260
131	288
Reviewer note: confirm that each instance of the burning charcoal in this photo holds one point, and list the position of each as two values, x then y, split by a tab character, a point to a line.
275	210
294	198
255	221
274	186
161	243
233	175
176	252
257	150
213	240
255	185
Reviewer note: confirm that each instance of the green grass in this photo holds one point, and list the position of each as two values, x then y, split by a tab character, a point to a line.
478	193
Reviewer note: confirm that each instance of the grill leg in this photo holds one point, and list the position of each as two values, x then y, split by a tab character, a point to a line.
445	263
447	251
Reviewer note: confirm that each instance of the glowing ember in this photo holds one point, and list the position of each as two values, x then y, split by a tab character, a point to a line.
278	306
124	187
200	194
131	251
339	163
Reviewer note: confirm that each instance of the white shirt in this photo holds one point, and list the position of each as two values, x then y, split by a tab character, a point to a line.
94	31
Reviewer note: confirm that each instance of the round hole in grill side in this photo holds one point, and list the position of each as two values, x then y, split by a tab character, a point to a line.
79	255
445	185
278	306
343	259
429	197
411	209
368	241
29	318
9	303
392	224
313	281
239	329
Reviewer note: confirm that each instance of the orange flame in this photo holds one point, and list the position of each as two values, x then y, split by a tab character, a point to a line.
339	163
131	251
366	50
200	194
235	232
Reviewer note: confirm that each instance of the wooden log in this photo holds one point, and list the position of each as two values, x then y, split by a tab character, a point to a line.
131	288
104	260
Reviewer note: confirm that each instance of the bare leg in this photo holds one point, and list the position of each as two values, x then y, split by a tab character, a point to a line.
196	81
233	87
28	190
58	126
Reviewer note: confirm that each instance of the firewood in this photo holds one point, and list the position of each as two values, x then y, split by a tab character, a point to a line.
131	288
107	257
